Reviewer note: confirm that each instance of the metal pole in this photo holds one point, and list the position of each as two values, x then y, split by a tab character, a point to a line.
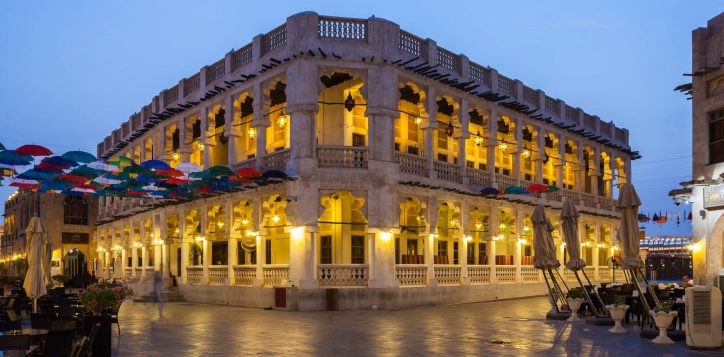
585	292
605	312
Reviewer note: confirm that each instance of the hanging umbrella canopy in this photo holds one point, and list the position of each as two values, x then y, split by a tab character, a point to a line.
220	171
33	174
628	204
103	166
169	173
59	161
155	165
515	190
552	188
122	162
22	183
36	251
188	167
537	188
2	147
11	157
489	191
543	247
79	156
275	174
33	150
569	225
248	172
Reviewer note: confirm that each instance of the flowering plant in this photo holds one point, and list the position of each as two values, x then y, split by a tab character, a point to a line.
105	296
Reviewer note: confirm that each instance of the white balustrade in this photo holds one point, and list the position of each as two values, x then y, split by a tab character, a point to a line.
478	178
342	156
447	172
411	164
479	274
588	200
604	274
505	274
569	275
127	272
447	274
504	181
275	274
619	275
411	274
244	275
342	28
194	274
246	164
530	274
590	272
276	160
343	274
218	275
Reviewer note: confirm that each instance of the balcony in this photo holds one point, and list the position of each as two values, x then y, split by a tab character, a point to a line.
244	275
342	156
275	274
219	275
412	164
447	172
478	178
276	160
411	274
447	274
194	275
342	274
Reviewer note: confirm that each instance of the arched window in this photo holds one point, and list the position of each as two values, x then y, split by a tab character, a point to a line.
75	210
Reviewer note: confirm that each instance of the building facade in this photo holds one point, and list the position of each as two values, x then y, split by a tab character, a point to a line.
391	139
706	192
70	221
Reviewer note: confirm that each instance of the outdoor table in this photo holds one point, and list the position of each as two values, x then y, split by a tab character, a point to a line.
18	353
27	331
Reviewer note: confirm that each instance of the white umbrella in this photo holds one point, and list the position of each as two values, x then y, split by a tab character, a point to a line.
628	204
569	226
188	167
543	247
101	165
36	253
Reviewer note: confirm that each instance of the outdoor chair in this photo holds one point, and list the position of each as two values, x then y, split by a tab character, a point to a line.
114	317
14	342
80	348
9	325
58	343
92	338
41	320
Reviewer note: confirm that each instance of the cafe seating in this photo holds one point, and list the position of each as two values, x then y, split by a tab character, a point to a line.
41	320
14	342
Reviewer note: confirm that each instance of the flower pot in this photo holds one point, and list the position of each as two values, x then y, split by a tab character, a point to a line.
574	304
618	313
663	320
102	344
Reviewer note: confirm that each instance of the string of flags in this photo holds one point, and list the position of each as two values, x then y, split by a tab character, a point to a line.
665	217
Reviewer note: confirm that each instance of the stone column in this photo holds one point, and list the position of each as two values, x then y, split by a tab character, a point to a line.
596	172
232	245
206	154
518	149
382	259
260	248
541	155
124	263
463	259
230	131
518	253
259	122
562	156
134	259
381	92
301	267
302	93
492	143
429	131
144	260
206	257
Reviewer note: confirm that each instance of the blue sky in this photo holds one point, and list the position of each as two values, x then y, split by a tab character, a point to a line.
72	71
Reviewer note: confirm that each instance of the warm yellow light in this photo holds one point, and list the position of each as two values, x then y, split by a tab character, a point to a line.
282	121
503	146
522	241
563	244
200	238
137	245
694	247
276	218
502	226
385	236
297	233
418	120
615	247
252	133
117	247
176	156
478	225
244	221
498	237
252	233
201	147
177	231
602	245
468	238
220	224
525	153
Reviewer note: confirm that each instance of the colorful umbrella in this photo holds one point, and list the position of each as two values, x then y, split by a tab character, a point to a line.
220	171
537	188
489	191
33	150
103	166
552	188
2	147
21	183
155	165
188	167
275	174
60	161
248	172
11	157
169	173
79	156
515	190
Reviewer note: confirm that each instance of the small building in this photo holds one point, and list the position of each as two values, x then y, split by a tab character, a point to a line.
390	138
667	258
70	221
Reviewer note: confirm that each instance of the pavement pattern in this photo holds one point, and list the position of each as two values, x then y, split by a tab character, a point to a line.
501	328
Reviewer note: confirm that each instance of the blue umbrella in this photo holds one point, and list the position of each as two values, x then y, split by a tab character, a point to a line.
79	156
33	174
60	161
489	191
515	190
155	165
10	157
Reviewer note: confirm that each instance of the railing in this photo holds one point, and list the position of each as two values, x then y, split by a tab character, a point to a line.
342	156
170	96
555	196
215	71
605	203
276	160
590	272
411	164
530	274
411	43
589	122
127	272
479	274
505	274
569	275
505	86
619	275
275	274
504	181
241	57
191	84
525	183
571	195
411	274
244	275
530	95
552	106
477	177
194	275
571	113
604	274
621	136
274	39
479	73
246	164
588	200
604	128
125	129
218	274
447	274
343	274
342	28
139	271
447	172
448	59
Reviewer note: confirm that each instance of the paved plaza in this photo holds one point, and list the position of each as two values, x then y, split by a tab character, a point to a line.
502	328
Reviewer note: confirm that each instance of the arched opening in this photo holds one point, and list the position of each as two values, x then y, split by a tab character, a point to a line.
571	165
193	140
136	154
342	229
275	235
216	137
277	133
173	235
506	146
243	117
173	144
550	160
526	241
506	239
243	224
445	138
479	231
588	169
194	235
476	153
148	150
410	243
447	233
529	138
605	175
216	235
409	136
341	118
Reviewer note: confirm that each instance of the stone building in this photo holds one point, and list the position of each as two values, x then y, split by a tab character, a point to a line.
70	221
391	138
706	191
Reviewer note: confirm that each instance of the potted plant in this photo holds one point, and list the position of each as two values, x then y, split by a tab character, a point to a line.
618	313
574	298
663	316
99	299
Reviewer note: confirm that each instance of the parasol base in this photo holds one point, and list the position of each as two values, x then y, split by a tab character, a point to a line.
651	333
599	321
561	316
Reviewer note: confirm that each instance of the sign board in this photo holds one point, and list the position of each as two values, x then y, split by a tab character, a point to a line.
714	197
75	238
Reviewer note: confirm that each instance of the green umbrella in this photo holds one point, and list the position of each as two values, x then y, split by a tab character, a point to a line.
2	147
79	156
552	188
220	171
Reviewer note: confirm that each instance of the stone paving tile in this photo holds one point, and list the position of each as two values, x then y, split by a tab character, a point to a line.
501	328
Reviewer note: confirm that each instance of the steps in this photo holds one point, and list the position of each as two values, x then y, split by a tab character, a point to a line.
168	295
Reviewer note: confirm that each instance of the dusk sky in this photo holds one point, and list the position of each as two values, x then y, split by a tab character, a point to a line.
71	72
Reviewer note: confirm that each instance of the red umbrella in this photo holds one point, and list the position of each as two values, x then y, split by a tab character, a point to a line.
73	178
238	179
203	190
33	150
176	181
537	188
136	193
248	172
170	173
47	166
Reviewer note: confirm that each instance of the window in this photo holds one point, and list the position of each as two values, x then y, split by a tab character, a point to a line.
442	248
482	253
471	254
75	210
175	140
397	250
412	129
241	254
716	136
219	255
358	140
527	251
358	250
325	254
268	252
196	130
455	253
